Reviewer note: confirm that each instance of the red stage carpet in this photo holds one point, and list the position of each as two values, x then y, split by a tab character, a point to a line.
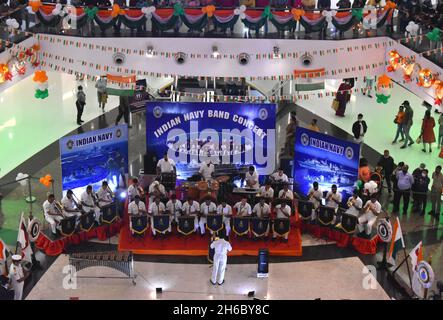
364	246
194	245
56	247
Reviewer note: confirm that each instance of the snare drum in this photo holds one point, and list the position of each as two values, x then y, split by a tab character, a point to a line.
202	186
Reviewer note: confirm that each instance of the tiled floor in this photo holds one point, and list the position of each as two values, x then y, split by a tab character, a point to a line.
328	279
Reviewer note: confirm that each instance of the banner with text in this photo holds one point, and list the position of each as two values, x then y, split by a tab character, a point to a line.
327	160
229	134
90	158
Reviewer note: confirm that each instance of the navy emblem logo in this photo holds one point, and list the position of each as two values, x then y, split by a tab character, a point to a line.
263	114
70	144
158	112
118	133
349	153
304	139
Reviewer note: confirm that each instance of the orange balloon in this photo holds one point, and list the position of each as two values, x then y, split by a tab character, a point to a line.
383	81
209	10
426	78
297	13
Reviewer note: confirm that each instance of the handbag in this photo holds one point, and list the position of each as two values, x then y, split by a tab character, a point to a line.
335	104
419	139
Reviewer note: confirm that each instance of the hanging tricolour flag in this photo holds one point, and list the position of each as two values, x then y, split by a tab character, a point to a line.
3	256
120	85
416	255
23	240
397	241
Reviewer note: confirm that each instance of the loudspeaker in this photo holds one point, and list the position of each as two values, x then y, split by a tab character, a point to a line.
263	263
150	163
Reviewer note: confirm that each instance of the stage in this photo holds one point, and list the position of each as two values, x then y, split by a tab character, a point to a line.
196	245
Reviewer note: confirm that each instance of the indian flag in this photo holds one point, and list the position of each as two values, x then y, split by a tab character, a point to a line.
3	256
416	255
397	241
120	85
23	240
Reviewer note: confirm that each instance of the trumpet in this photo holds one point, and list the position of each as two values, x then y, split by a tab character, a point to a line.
58	207
350	202
369	207
112	194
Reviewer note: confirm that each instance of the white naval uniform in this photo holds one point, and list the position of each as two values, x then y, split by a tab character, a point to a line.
190	210
206	171
315	194
266	193
15	274
251	178
332	204
154	210
280	178
135	210
151	190
132	192
174	209
221	247
70	205
286	195
89	201
353	210
279	210
104	197
243	210
367	220
226	212
166	166
204	210
262	212
51	214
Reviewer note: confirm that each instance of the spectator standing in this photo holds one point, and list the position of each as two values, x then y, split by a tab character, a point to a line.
427	131
404	185
440	131
399	120
422	184
436	192
359	128
407	124
102	96
123	110
387	163
80	104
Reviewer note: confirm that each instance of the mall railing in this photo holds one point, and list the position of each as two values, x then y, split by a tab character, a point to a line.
282	21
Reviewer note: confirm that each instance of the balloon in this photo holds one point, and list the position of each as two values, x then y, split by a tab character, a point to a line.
40	76
21	176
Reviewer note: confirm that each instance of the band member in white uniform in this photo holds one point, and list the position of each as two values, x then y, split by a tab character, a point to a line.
283	211
174	207
262	210
70	206
157	208
251	179
207	207
333	199
53	214
354	204
243	208
226	210
17	276
266	191
315	196
206	170
156	189
285	193
134	190
104	194
165	165
136	208
191	208
90	202
221	248
371	210
279	176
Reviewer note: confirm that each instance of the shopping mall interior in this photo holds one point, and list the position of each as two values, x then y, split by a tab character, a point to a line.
181	115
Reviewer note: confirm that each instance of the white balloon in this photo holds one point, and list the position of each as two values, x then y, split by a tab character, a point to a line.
29	8
20	176
243	8
41	86
58	6
55	12
144	10
237	11
242	15
151	9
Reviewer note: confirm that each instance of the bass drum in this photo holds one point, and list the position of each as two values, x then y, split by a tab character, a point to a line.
34	228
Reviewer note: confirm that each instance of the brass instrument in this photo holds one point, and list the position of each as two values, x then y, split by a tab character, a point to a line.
58	207
112	194
351	202
369	207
